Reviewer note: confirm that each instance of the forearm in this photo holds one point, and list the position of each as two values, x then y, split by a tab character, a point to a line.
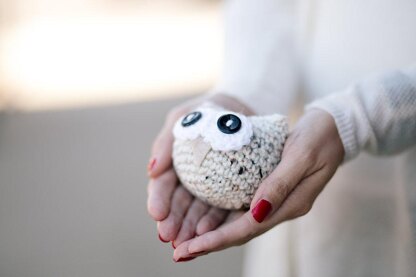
377	115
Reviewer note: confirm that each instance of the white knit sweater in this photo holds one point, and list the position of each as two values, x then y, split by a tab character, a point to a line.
377	115
354	60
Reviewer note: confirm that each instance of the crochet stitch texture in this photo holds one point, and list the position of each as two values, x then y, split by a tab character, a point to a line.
229	179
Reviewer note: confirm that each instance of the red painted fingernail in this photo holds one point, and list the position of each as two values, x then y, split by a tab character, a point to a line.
173	245
184	259
162	240
151	164
261	210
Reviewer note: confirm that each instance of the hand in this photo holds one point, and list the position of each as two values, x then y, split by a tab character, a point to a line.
311	155
180	216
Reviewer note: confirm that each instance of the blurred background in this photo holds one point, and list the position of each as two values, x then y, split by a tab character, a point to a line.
61	53
84	88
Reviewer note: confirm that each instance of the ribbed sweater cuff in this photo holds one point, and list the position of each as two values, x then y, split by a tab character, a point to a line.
344	120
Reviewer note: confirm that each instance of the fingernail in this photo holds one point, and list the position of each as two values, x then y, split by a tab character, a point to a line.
261	210
151	164
183	259
173	245
162	240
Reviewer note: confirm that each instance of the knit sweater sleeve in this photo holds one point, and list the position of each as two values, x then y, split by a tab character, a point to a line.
259	65
377	115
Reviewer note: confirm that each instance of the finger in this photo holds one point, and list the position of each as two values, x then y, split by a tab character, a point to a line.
160	192
233	216
169	227
188	228
211	220
182	250
234	233
241	229
181	253
161	156
300	201
277	186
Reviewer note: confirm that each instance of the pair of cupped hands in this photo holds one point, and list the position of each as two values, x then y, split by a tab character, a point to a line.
311	155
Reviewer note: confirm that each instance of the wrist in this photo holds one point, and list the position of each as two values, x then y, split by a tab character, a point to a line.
321	121
342	113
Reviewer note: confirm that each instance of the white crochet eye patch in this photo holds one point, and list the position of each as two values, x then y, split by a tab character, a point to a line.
222	130
192	131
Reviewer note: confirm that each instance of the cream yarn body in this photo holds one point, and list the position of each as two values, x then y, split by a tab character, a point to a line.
229	179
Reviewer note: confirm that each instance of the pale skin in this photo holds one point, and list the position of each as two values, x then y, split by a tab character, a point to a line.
311	155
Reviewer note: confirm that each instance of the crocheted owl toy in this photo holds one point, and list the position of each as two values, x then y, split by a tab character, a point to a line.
221	156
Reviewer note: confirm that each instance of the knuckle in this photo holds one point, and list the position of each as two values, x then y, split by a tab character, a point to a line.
303	209
210	242
243	241
251	231
166	177
281	189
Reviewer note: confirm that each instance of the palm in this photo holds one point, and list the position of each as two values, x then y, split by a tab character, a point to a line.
187	216
180	216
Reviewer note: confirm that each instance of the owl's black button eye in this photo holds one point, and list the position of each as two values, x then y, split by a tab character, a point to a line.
229	124
191	119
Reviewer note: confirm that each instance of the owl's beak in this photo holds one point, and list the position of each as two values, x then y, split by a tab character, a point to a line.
200	149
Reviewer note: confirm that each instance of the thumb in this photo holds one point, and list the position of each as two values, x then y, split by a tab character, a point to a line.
276	188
